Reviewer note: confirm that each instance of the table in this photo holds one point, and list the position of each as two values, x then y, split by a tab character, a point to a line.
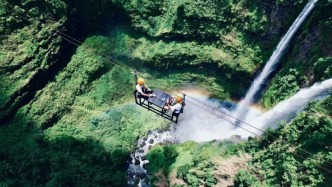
160	98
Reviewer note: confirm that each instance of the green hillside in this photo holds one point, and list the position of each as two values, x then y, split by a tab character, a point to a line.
67	114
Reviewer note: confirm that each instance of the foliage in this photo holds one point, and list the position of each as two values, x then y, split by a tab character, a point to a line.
282	156
70	135
282	88
309	56
73	126
161	158
191	162
194	19
245	179
62	161
189	62
327	105
28	49
323	68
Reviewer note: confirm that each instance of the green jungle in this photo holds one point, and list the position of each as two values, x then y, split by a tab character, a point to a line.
67	110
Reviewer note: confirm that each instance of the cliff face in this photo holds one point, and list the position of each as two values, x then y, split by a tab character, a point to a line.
63	109
308	59
229	40
30	51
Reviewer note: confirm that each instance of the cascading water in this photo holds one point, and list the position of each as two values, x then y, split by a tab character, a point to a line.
242	107
137	175
287	109
200	126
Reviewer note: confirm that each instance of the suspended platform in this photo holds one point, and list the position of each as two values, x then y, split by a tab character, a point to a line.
157	104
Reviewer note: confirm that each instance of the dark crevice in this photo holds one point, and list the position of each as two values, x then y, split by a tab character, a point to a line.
76	27
37	82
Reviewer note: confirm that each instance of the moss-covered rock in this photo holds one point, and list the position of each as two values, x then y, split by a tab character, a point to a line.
30	48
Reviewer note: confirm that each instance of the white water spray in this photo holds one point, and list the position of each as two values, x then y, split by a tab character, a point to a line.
200	125
240	112
288	109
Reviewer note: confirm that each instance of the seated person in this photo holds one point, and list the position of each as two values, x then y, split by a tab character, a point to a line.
143	90
175	108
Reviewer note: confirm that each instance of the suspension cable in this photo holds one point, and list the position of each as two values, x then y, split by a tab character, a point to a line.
108	58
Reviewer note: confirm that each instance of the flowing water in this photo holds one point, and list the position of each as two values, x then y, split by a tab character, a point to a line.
136	171
202	125
255	87
287	109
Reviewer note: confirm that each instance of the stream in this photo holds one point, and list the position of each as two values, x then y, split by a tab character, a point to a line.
200	125
137	174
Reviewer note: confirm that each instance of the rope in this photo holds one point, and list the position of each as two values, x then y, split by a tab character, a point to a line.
239	120
109	58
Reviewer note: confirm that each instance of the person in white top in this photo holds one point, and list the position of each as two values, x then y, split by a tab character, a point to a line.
175	108
143	90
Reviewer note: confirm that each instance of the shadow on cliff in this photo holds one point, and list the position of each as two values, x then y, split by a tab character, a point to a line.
31	157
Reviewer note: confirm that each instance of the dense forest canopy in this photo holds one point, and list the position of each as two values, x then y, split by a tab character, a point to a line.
67	116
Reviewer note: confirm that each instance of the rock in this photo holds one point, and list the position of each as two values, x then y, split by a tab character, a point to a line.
140	151
137	161
142	175
151	141
143	157
142	144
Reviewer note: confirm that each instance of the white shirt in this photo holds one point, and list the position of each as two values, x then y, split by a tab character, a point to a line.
177	107
139	89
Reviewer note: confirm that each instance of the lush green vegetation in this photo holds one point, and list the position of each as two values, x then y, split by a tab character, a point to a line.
309	59
279	157
69	134
192	163
66	113
28	50
281	152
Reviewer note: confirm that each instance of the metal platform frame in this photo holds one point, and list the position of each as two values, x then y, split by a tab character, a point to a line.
156	109
151	107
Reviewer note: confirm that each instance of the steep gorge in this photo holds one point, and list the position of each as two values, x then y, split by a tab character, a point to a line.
64	110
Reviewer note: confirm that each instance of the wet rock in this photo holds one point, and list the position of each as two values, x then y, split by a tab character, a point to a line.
145	138
140	151
143	157
137	161
149	147
142	144
142	175
151	141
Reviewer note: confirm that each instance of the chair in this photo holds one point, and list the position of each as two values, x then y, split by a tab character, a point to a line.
140	99
176	115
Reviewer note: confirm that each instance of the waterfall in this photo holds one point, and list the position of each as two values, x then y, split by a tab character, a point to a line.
200	126
289	108
241	109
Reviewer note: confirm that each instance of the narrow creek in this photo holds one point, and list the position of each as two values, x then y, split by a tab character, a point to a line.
137	174
176	133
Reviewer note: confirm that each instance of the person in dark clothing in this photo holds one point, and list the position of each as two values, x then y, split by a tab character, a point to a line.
143	90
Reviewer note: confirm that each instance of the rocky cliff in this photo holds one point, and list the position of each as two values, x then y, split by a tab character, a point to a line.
66	111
